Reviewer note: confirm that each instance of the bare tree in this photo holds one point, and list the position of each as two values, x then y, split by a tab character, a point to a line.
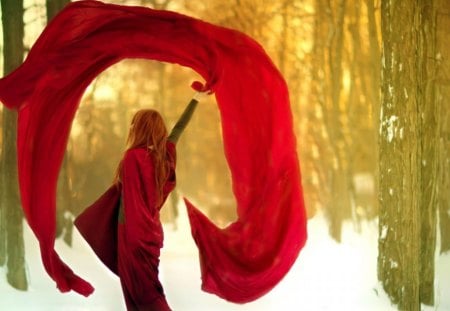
443	93
408	153
64	200
327	82
53	7
10	211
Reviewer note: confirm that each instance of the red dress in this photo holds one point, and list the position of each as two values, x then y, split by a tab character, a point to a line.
130	244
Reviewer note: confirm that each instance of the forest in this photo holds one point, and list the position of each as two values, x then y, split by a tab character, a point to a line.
369	86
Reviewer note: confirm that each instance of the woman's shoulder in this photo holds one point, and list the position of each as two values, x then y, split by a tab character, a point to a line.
135	153
170	145
141	152
171	150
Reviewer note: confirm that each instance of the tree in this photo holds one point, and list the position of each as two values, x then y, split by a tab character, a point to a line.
331	134
53	7
408	153
64	199
11	236
443	92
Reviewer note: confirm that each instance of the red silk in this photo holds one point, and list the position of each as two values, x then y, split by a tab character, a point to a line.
98	225
140	233
239	263
129	244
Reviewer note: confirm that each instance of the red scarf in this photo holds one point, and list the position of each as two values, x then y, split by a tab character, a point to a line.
239	263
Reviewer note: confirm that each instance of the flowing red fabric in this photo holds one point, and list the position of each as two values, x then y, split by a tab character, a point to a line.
239	263
140	233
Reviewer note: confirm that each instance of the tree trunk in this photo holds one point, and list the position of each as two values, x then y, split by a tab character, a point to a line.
64	222
340	177
13	33
443	93
429	148
408	154
375	77
64	194
53	7
2	207
374	58
2	215
316	115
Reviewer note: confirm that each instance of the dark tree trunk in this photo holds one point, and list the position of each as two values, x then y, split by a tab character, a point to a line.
408	154
64	199
429	149
64	208
2	217
443	94
13	33
53	7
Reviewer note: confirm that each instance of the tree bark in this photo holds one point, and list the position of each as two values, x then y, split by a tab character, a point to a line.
340	177
443	93
408	154
2	207
429	149
13	33
64	193
375	77
53	7
374	57
2	215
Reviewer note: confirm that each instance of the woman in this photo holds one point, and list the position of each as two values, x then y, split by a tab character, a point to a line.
129	210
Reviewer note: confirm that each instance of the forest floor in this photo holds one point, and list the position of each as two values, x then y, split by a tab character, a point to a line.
326	276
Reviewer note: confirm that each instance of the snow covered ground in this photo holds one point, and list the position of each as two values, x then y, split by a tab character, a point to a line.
326	276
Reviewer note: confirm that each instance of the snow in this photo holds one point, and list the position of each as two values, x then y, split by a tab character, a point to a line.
391	90
384	232
394	264
391	130
327	276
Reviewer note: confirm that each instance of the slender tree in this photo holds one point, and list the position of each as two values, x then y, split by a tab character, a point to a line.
443	93
53	7
408	153
375	74
361	147
327	79
2	213
64	200
11	213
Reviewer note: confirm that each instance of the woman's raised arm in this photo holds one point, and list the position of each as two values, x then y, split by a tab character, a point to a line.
185	118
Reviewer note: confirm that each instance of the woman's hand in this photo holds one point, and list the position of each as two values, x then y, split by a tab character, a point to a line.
200	96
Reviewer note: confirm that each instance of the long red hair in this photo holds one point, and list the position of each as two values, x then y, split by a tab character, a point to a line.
149	131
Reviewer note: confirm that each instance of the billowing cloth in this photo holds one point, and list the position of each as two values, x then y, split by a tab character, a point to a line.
239	263
98	225
140	233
